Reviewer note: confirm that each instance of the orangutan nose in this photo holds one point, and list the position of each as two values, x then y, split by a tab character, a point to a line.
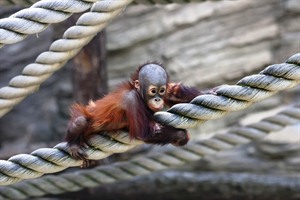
157	100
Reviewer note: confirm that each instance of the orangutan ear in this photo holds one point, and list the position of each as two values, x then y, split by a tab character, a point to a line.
137	84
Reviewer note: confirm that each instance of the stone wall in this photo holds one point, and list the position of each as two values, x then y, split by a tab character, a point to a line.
201	44
219	41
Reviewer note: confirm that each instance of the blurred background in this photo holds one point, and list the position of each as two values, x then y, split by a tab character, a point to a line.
201	44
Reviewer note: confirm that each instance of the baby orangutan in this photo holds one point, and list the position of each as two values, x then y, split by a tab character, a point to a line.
131	107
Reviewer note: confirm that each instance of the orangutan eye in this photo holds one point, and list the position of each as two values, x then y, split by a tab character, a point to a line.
152	91
162	90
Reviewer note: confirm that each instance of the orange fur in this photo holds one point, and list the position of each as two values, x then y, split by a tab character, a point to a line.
79	110
107	114
126	109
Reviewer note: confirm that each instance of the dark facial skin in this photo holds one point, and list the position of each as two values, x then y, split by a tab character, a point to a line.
152	86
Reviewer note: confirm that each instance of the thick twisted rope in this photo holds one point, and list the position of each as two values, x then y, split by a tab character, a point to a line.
248	90
69	182
52	160
30	2
60	51
17	2
38	17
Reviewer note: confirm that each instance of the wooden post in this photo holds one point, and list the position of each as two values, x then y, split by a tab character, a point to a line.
89	70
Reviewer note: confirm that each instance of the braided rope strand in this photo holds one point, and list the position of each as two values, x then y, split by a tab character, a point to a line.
69	182
149	2
41	14
60	51
248	90
52	160
38	17
17	2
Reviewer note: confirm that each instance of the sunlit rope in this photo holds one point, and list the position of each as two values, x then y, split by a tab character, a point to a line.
30	2
49	160
17	2
60	51
38	17
70	182
230	98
